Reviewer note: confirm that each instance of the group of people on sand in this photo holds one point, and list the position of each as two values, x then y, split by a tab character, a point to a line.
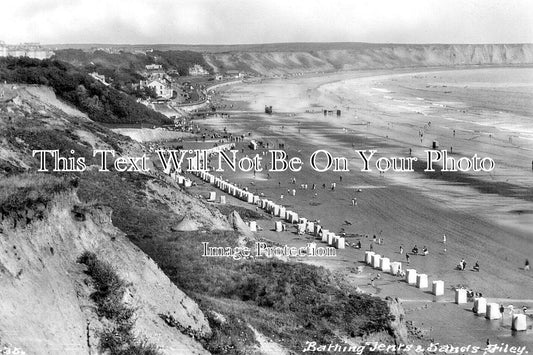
462	266
414	251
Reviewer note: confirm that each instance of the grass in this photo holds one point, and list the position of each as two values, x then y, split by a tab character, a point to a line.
30	191
118	338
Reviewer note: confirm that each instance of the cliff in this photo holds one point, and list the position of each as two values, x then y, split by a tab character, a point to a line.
317	57
46	295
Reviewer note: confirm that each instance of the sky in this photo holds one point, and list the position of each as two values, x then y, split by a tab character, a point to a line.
265	21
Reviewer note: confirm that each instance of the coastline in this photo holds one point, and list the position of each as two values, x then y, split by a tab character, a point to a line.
384	194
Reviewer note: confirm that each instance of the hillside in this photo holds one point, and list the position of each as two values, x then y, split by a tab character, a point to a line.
94	262
284	58
123	67
314	57
98	102
51	302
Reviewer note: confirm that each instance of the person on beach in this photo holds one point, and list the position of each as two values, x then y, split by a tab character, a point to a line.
407	258
425	251
476	266
511	309
463	264
526	266
502	309
415	250
401	250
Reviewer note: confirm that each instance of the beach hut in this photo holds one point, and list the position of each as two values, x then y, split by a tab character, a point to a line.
480	305
212	196
376	259
493	311
519	322
438	288
395	267
294	217
253	226
318	230
222	200
460	296
330	238
385	264
278	226
422	281
310	227
410	276
340	243
368	257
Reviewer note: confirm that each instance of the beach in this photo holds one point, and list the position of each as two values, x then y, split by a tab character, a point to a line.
486	216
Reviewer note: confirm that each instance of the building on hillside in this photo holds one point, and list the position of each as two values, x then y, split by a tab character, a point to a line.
100	78
197	69
234	74
154	67
30	50
162	88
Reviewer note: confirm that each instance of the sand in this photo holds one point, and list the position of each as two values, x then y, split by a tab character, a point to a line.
485	216
145	135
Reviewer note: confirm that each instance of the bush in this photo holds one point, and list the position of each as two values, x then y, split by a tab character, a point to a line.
108	294
231	337
26	191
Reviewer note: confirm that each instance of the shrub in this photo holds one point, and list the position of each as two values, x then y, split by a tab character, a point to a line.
118	339
26	191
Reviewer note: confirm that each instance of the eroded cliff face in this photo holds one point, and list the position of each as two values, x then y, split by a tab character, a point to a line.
318	58
45	293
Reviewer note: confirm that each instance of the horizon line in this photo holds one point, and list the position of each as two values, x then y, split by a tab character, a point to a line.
275	43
